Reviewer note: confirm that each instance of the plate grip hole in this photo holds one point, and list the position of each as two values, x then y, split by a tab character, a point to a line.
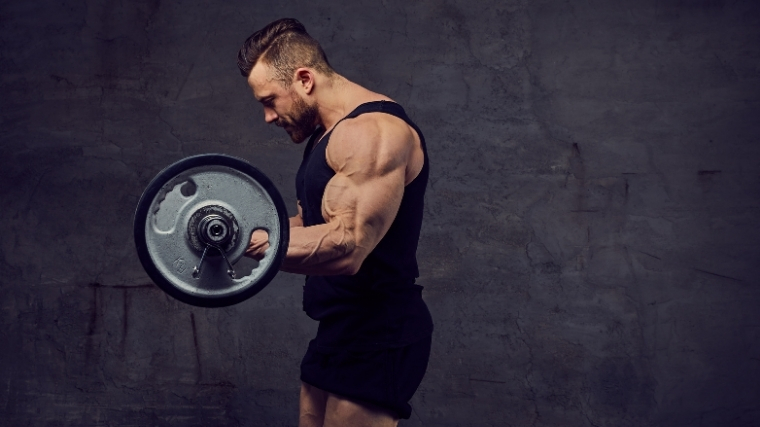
188	189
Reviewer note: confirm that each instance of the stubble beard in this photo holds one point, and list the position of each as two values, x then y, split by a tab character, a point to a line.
303	122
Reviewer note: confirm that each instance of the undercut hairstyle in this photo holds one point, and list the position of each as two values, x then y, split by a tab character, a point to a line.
285	46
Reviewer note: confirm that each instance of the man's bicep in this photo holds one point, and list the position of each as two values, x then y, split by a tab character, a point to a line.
378	204
363	197
364	207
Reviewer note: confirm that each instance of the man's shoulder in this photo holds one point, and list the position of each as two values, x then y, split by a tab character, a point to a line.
370	139
373	130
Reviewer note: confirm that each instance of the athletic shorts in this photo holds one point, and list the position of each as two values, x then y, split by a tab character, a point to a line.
386	378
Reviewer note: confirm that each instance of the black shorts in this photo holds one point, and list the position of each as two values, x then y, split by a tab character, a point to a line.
386	378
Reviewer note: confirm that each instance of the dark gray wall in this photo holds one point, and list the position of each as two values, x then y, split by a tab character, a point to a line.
590	248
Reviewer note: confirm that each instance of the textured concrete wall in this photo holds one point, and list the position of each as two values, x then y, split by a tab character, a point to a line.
590	251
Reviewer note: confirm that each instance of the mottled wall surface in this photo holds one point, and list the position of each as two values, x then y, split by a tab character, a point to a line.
590	251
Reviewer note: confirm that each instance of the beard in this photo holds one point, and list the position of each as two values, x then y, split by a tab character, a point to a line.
302	121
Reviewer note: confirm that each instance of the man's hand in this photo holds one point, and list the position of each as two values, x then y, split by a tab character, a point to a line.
258	245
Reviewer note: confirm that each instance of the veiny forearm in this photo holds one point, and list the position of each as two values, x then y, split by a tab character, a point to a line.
325	249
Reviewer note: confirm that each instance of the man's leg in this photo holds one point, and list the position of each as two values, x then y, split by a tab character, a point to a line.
312	406
340	412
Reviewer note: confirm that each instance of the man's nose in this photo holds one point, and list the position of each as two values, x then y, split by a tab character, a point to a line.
270	115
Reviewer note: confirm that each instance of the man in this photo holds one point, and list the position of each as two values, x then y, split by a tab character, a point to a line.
360	193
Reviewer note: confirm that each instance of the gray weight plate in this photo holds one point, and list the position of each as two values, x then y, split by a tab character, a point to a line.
213	201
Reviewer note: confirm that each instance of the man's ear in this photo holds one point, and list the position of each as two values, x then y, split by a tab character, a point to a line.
305	78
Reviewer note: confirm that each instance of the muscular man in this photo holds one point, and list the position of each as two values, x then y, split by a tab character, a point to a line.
360	193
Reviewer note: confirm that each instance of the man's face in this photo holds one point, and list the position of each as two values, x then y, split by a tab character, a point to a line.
283	106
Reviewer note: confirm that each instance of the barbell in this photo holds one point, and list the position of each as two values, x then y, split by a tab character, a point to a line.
194	221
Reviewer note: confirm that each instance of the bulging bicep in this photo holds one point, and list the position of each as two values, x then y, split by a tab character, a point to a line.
370	163
363	208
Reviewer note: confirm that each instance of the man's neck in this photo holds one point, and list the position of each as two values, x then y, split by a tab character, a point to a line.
338	97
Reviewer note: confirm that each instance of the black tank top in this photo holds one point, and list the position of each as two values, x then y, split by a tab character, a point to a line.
380	306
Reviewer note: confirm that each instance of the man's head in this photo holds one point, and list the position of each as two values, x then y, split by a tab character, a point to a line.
273	59
285	46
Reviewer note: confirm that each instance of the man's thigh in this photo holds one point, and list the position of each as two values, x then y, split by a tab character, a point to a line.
312	406
341	412
319	408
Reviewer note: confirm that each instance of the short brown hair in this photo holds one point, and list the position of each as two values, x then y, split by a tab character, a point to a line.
285	45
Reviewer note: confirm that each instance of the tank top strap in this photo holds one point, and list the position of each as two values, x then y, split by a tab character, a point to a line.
388	107
318	132
383	106
368	107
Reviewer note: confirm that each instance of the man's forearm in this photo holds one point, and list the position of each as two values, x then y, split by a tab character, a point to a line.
325	249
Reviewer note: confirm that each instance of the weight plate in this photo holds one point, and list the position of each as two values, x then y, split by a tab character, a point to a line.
214	201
